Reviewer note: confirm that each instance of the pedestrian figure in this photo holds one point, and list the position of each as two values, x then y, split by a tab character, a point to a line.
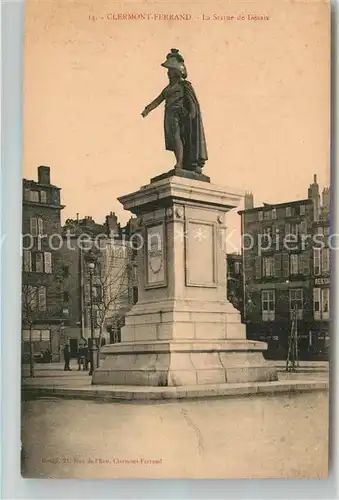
82	357
67	358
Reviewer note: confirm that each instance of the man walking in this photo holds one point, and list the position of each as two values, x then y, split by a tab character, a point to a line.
67	357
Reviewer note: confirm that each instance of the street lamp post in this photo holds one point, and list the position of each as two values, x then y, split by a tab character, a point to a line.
91	267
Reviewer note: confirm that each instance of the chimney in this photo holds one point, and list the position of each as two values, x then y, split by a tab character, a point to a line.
112	226
249	201
314	195
44	175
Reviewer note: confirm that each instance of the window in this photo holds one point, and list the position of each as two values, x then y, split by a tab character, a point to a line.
37	335
36	226
316	303
48	262
325	302
268	266
66	271
320	231
260	215
326	231
237	267
43	196
294	229
267	214
302	209
31	298
268	305
34	196
33	226
266	238
66	296
45	335
296	302
96	290
39	262
316	261
42	298
27	255
274	213
35	298
304	263
288	211
294	263
321	303
27	194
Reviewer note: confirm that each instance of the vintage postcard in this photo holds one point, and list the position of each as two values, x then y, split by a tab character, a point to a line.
176	239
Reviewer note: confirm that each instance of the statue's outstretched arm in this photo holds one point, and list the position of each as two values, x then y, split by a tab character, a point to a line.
154	104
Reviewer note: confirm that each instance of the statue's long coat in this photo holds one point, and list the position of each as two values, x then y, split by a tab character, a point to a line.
191	128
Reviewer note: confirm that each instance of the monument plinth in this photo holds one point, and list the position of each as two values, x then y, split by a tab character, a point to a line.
183	330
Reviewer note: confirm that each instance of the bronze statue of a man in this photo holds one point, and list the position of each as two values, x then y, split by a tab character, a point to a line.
184	131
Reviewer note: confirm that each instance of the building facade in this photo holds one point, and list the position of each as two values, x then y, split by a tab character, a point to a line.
97	258
42	274
286	266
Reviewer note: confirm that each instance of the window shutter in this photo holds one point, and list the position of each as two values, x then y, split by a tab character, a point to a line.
42	298
325	261
27	261
286	264
277	265
300	263
303	227
33	226
40	226
306	257
48	262
248	267
257	266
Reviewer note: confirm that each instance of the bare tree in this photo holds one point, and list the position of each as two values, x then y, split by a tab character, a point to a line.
30	316
112	285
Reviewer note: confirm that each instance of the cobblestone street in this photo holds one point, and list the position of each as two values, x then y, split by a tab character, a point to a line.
273	436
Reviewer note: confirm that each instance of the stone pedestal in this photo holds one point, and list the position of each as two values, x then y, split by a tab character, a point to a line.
183	330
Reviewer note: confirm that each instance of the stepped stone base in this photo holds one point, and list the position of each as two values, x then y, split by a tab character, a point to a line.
182	363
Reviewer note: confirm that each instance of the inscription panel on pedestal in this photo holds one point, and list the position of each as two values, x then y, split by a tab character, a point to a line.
155	256
201	258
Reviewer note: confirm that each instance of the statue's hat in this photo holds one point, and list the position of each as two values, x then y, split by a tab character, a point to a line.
175	61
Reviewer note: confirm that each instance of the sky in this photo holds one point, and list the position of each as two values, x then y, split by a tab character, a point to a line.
263	88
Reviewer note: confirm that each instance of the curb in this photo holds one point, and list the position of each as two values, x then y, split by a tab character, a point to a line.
142	393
